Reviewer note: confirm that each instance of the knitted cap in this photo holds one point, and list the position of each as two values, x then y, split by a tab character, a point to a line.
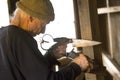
41	9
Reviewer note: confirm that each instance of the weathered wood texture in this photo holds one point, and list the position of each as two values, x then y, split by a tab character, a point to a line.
103	23
114	2
85	26
109	22
115	27
89	27
109	10
101	3
12	6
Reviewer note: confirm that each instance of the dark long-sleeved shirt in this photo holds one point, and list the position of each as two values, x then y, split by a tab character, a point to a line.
20	58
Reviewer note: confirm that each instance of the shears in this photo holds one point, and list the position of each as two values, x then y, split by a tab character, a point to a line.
48	41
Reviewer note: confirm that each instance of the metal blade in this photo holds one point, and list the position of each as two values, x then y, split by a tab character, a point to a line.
84	43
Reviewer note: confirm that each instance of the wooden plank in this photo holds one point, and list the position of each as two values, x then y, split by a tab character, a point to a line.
115	38
90	30
109	10
101	3
77	22
95	28
111	66
90	76
85	25
89	26
114	2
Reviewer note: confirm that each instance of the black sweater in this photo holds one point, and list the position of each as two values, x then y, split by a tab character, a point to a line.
20	59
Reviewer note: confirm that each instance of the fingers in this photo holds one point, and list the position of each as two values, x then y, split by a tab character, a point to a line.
82	61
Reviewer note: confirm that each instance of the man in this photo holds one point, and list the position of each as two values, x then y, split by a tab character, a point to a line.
20	58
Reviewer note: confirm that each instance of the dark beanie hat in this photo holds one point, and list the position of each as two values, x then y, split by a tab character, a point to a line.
41	9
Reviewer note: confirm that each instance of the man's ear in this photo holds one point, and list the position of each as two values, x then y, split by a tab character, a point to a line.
31	18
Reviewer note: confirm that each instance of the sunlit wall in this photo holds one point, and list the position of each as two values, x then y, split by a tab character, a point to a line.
4	15
63	25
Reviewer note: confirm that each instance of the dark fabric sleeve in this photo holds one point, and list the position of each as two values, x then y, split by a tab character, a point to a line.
52	61
32	65
70	72
29	63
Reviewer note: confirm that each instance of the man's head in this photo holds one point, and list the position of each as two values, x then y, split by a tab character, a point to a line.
33	15
41	9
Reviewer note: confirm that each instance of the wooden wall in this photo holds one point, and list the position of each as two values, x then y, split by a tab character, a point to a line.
109	21
100	20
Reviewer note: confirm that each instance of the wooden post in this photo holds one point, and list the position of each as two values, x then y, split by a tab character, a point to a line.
89	29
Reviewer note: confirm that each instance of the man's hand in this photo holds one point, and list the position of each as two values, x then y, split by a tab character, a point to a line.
82	61
57	51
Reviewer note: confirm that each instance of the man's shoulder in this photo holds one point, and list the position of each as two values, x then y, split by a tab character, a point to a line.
12	31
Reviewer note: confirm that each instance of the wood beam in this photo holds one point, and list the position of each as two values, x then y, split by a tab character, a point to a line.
108	10
111	66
